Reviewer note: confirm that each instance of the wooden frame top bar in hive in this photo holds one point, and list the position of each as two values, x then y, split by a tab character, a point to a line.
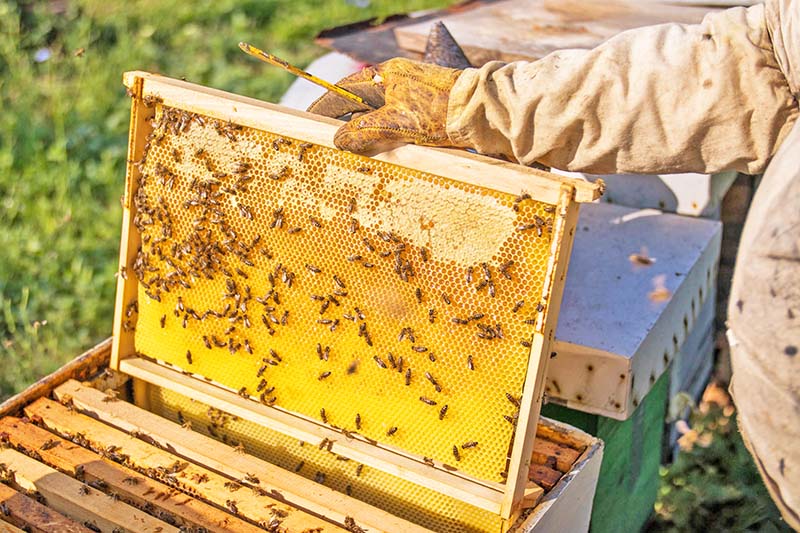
393	309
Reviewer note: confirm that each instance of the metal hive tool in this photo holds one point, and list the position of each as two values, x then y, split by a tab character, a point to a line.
385	304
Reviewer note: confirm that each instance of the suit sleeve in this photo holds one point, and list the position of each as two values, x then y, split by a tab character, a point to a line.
669	98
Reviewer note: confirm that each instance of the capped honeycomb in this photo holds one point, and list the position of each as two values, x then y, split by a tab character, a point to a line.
367	296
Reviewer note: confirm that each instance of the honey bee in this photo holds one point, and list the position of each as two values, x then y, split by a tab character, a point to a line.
302	152
299	466
470	364
468	445
510	419
392	430
324	375
380	361
443	411
419	349
319	477
368	244
163	321
431	315
322	415
433	382
517	306
313	269
231	505
428	461
457	320
358	421
428	401
446	298
418	294
455	453
526	344
314	222
189	357
296	229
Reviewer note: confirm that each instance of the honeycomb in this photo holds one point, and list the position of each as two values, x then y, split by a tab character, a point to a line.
367	296
402	498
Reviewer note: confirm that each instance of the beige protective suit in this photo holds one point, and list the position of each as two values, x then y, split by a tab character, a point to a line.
720	95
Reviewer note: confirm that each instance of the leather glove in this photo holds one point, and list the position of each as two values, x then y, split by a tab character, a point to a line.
411	98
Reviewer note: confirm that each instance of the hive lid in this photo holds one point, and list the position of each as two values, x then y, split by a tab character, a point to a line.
396	309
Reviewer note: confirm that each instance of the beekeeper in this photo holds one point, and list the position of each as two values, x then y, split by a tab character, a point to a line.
719	95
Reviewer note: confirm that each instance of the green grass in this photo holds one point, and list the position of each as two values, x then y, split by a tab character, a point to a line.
713	485
63	131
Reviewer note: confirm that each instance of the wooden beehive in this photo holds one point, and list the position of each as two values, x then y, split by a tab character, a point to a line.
379	326
77	455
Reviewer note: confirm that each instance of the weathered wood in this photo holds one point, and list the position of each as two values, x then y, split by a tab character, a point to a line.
132	487
200	481
219	457
530	29
76	500
481	494
81	367
5	527
32	515
567	506
544	476
456	164
554	455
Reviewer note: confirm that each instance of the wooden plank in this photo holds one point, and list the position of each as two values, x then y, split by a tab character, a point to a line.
129	485
76	500
455	164
554	455
79	368
130	240
478	493
544	476
568	506
203	483
20	510
296	489
533	391
5	527
526	30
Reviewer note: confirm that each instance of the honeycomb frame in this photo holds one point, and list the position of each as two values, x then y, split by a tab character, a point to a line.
156	94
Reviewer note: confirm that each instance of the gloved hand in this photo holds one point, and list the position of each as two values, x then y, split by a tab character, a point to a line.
412	100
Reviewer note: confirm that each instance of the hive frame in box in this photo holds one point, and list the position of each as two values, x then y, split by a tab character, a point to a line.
506	500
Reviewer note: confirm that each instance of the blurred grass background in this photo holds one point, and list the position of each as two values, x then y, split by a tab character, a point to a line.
63	131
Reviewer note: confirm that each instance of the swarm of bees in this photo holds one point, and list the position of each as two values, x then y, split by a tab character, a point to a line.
217	247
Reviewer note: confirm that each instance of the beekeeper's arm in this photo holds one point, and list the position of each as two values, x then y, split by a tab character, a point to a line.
674	97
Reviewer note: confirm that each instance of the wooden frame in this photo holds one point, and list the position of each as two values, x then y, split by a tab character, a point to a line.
86	403
507	499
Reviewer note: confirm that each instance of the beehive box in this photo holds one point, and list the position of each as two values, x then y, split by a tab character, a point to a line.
77	455
378	325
